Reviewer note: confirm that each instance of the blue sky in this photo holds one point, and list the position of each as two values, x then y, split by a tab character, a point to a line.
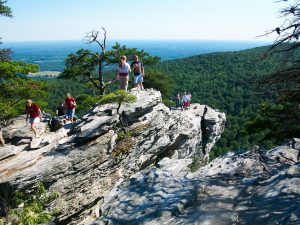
144	19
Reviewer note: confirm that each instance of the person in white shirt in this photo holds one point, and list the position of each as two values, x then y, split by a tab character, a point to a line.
185	100
123	71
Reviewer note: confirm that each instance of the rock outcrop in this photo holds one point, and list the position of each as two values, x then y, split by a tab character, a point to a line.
253	187
83	162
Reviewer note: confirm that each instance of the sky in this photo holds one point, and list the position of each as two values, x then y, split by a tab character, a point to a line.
43	20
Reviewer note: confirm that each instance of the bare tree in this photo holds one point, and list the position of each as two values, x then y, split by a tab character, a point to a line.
84	64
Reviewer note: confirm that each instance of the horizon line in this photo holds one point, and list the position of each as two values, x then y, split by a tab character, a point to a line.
163	39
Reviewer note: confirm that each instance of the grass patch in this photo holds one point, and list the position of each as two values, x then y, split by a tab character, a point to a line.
196	164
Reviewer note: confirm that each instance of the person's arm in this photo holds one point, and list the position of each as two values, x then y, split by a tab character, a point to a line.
143	70
40	114
117	73
27	112
73	102
129	69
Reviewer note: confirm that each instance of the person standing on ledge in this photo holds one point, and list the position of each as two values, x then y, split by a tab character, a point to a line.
34	114
70	105
138	72
123	71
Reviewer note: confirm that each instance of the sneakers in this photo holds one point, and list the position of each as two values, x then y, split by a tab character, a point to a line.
37	136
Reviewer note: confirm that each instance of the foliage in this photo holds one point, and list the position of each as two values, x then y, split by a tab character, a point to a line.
14	89
125	141
196	164
279	120
276	122
29	209
5	10
226	81
139	129
85	102
160	81
120	96
169	102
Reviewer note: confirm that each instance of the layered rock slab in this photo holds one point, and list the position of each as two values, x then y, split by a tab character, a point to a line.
77	161
254	187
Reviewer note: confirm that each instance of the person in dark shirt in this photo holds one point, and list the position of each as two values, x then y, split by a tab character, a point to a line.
34	114
60	109
138	71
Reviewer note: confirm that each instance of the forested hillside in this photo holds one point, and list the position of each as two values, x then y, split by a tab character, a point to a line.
227	81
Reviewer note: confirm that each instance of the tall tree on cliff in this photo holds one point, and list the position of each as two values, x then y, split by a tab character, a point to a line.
87	66
13	87
280	120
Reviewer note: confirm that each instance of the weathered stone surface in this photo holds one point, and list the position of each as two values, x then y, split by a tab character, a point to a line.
254	187
18	132
8	151
79	160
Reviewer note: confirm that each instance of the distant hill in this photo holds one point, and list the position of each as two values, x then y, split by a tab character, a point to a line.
226	81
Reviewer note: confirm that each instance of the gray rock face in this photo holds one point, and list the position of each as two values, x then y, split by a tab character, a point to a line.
85	161
254	187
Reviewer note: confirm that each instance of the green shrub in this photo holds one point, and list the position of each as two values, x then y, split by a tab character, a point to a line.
196	164
29	209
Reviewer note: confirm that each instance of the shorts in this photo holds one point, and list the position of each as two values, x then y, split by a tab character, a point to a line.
138	78
186	104
70	113
34	120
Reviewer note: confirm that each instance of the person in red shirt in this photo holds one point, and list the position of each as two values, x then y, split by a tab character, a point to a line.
34	114
70	105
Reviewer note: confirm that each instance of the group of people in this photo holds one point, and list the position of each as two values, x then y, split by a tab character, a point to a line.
34	113
67	109
124	69
183	101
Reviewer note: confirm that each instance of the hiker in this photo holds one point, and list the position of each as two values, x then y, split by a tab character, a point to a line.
123	71
35	115
60	109
178	100
185	101
138	72
69	106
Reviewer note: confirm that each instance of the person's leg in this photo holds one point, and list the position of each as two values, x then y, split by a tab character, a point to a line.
126	83
140	82
72	115
141	86
135	81
34	129
67	114
122	83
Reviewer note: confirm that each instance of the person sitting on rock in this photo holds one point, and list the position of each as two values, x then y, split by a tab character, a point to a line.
70	105
60	109
35	115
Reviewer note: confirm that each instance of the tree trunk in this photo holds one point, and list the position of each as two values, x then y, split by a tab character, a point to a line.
100	75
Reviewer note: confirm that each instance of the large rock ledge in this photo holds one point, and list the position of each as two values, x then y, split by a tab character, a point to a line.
78	161
254	187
